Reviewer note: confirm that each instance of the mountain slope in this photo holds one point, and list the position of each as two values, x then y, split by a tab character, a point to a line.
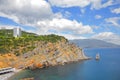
93	43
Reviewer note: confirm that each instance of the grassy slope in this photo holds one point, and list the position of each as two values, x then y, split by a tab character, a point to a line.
25	43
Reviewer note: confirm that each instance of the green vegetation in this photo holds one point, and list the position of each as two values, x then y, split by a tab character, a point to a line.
25	43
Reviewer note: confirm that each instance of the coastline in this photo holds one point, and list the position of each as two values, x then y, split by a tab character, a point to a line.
8	75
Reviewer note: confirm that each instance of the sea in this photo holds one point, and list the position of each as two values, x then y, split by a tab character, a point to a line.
107	68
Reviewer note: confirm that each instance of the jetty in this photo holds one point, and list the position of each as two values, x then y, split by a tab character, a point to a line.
7	70
97	56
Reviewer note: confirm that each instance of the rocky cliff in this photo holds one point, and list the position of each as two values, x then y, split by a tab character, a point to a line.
51	54
39	51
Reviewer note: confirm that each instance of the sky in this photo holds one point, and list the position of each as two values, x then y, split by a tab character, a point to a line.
73	19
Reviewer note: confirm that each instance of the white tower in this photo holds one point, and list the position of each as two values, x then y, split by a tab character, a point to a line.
16	32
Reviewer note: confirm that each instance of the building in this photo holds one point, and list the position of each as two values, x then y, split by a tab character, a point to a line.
17	32
7	70
3	28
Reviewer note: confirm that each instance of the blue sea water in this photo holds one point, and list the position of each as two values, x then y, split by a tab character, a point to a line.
107	68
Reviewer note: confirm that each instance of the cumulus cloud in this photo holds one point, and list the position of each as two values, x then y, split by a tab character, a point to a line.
113	21
116	11
64	25
98	16
95	4
25	11
69	3
108	36
104	35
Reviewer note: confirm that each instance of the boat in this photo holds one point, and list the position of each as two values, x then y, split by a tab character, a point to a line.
97	56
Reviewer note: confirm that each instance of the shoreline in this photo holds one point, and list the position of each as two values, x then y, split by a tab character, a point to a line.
8	75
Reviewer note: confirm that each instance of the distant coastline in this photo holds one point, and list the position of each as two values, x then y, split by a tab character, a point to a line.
93	43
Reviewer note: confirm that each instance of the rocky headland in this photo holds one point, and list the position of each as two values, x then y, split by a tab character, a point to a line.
45	54
36	51
51	54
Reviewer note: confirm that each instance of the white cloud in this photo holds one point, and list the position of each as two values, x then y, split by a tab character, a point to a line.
64	25
82	10
58	15
98	16
108	36
13	17
108	3
70	3
71	37
95	27
95	4
67	14
103	35
114	21
25	11
117	11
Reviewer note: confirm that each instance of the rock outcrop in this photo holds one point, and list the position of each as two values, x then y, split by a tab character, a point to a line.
51	54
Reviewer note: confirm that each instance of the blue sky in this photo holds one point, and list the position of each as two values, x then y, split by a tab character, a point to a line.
74	19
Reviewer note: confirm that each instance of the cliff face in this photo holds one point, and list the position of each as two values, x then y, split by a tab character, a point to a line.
50	54
45	54
38	51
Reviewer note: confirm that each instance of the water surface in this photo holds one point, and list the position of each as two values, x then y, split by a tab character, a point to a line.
107	68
